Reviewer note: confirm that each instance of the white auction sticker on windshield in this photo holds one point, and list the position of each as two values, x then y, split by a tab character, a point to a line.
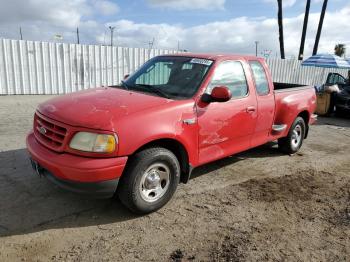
201	61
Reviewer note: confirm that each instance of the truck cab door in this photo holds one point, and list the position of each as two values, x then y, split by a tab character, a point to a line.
266	102
226	128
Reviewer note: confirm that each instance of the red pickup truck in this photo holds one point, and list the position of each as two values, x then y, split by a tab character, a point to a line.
141	138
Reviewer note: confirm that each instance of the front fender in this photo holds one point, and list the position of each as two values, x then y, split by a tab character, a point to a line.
169	121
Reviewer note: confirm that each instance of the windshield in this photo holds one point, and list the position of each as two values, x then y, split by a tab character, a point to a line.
172	77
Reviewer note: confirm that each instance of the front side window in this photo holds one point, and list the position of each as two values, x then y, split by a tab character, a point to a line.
174	77
230	74
340	80
336	79
261	83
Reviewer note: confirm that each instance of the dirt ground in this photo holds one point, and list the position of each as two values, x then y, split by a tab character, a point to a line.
259	205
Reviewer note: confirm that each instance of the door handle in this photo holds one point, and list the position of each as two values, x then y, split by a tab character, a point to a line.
250	109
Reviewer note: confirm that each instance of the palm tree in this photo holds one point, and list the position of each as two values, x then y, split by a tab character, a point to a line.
280	27
302	41
320	24
339	50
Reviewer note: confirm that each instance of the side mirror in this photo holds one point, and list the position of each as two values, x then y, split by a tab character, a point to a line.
126	76
218	94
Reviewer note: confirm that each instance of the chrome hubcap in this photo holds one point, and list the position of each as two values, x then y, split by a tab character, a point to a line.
154	182
297	136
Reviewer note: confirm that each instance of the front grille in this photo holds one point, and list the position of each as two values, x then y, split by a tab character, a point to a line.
49	133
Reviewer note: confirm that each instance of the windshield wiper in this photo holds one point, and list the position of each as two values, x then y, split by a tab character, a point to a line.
154	89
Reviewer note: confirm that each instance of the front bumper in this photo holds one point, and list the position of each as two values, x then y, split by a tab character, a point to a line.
94	176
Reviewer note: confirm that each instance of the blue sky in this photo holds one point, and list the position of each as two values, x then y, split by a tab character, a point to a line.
198	25
143	12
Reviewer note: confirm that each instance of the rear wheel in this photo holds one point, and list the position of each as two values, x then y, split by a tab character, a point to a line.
150	180
294	140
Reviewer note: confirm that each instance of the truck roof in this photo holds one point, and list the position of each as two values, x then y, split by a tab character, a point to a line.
215	56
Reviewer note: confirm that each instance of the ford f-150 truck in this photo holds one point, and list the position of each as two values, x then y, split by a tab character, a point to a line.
141	138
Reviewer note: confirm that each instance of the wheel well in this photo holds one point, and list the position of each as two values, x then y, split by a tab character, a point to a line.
179	151
306	116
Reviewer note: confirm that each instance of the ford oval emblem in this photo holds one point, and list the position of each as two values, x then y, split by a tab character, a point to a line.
42	130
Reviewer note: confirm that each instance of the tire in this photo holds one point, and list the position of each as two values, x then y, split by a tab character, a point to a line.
150	180
332	106
294	140
339	112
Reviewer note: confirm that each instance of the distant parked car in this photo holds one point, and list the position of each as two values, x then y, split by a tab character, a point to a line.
341	100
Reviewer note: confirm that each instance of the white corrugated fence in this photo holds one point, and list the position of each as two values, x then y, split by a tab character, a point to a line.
291	71
28	67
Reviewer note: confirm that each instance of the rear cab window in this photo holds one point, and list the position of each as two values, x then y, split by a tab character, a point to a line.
230	74
260	79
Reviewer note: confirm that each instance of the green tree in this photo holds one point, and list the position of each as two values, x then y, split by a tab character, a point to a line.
339	50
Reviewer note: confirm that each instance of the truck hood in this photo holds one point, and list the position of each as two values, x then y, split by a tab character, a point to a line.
98	108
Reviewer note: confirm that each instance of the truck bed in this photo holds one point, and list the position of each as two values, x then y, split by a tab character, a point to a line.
291	98
284	87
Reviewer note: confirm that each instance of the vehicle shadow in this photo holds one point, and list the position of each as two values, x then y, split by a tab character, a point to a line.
268	150
334	120
29	203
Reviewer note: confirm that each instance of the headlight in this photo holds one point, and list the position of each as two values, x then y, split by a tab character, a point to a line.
91	142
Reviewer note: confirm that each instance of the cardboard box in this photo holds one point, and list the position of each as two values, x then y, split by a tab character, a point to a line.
323	103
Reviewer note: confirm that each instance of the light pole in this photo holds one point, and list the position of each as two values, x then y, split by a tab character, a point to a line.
112	29
256	48
20	32
78	38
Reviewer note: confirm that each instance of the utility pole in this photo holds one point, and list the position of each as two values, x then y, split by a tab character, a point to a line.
320	24
256	48
266	53
78	40
306	18
112	29
20	32
150	44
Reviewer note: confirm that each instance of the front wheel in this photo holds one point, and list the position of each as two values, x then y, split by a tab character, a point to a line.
294	140
150	180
